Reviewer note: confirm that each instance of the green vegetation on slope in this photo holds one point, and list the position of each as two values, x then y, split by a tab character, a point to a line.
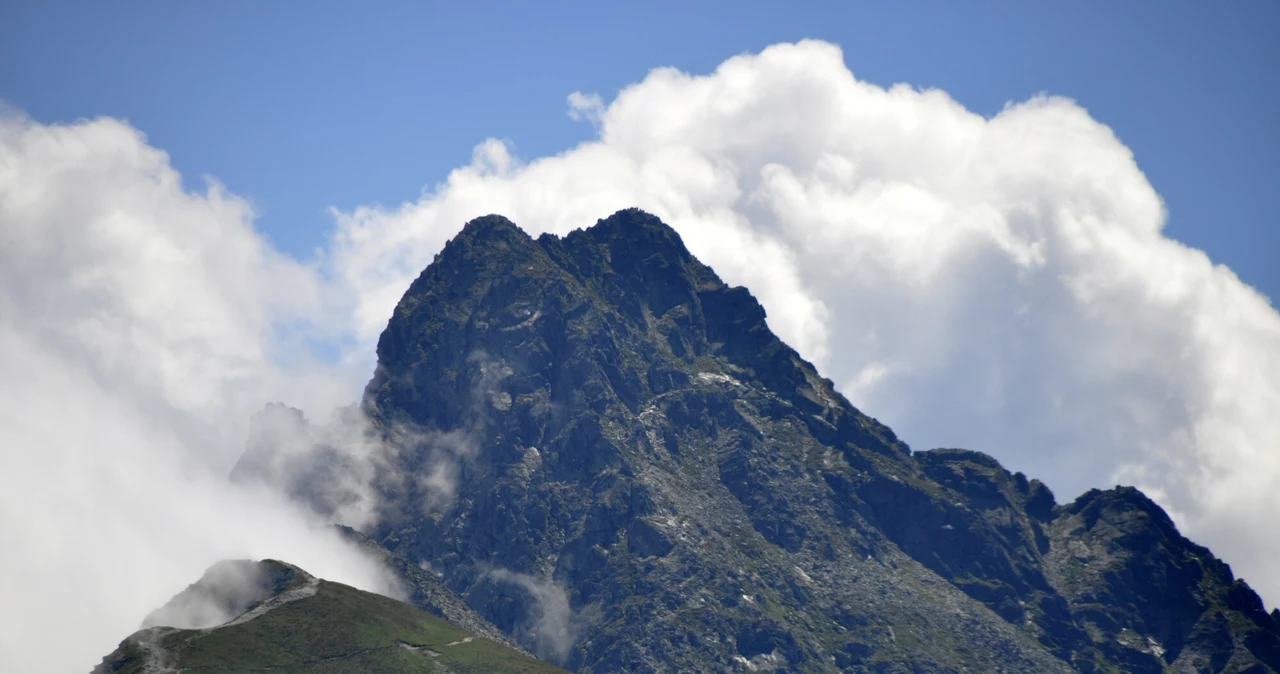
337	630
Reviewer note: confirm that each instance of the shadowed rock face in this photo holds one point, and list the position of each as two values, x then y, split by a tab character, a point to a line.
618	463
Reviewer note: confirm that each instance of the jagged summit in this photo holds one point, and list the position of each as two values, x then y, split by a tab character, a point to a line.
614	460
1094	502
488	234
490	227
634	229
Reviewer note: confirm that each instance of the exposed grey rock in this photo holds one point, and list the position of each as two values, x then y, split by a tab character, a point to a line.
640	476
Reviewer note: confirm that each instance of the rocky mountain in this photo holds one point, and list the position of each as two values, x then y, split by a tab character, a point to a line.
257	616
606	452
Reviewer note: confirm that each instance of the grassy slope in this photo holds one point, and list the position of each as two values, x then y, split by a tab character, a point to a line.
339	630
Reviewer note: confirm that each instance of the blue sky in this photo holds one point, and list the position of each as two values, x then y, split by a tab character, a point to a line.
299	106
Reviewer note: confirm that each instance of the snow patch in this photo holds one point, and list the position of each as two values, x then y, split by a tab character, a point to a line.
718	378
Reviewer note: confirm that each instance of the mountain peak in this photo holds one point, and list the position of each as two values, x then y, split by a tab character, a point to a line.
630	423
1119	503
638	233
492	227
618	463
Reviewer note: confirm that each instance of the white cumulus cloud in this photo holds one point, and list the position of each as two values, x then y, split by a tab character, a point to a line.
140	325
999	283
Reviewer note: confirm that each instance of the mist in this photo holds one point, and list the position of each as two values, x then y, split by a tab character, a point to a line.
105	518
551	623
140	327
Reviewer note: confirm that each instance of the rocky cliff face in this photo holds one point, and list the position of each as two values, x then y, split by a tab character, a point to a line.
614	460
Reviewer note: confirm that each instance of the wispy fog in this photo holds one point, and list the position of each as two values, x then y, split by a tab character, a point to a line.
551	621
140	327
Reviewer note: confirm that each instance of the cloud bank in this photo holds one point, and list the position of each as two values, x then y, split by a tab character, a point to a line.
1000	284
995	283
140	325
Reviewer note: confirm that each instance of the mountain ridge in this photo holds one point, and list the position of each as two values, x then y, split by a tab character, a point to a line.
610	428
